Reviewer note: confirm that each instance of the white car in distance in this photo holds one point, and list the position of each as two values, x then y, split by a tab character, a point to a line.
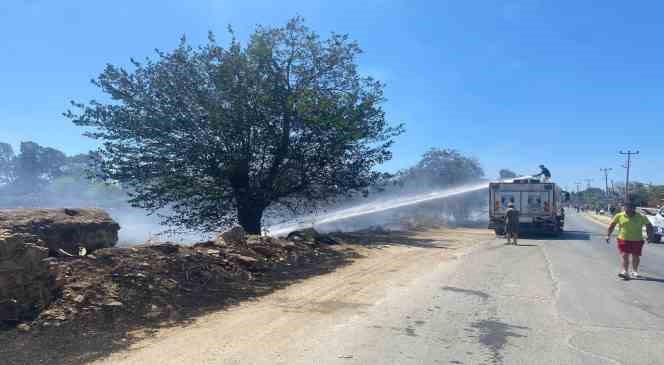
656	218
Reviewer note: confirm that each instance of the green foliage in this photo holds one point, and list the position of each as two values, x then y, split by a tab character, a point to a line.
641	194
593	197
656	196
443	168
219	134
31	169
646	195
45	177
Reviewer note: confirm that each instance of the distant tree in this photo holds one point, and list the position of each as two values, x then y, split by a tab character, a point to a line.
505	174
639	193
446	168
443	168
35	166
656	196
6	164
220	134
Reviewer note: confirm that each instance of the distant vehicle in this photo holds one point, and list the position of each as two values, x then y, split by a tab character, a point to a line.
656	218
540	205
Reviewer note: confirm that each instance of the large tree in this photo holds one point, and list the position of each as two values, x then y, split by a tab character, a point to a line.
217	134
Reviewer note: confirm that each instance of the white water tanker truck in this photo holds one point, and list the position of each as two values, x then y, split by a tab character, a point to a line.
540	205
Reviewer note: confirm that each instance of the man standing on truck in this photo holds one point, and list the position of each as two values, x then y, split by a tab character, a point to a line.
545	173
630	238
512	223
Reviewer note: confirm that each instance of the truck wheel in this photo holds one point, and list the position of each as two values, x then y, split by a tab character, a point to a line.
657	238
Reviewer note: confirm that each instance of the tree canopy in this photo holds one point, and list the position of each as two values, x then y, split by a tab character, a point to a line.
218	134
30	169
443	168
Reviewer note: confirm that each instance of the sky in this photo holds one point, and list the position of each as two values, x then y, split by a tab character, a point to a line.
515	84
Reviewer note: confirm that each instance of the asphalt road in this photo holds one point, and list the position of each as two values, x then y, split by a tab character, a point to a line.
546	302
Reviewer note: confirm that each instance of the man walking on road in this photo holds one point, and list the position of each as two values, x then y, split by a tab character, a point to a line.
512	224
630	238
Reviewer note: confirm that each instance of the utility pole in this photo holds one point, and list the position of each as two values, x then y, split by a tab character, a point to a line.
578	193
628	166
588	181
606	186
606	179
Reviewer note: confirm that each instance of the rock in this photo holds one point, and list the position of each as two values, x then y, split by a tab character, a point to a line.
153	312
112	309
244	259
66	229
165	248
28	236
23	327
286	244
264	250
234	236
327	240
26	284
113	304
308	234
79	298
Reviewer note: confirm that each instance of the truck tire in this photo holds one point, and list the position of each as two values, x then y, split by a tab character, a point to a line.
657	238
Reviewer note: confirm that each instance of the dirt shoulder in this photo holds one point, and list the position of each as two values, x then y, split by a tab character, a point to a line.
379	262
341	279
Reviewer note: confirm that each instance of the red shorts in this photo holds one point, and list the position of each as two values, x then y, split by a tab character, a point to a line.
633	247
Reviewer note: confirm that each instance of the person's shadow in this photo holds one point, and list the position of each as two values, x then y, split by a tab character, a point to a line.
648	278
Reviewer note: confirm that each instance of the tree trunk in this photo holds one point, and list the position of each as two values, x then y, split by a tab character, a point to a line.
250	216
